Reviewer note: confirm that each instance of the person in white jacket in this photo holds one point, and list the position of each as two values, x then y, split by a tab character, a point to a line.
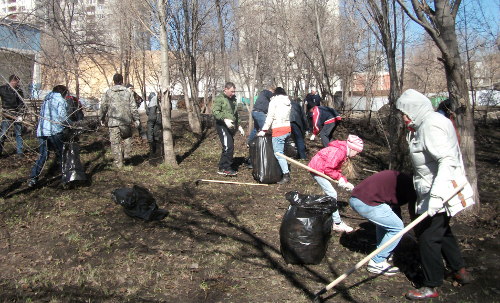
278	119
436	160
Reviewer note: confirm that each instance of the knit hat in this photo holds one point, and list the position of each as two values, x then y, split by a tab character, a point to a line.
354	142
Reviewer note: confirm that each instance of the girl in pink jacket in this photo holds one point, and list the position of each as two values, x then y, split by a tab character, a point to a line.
329	161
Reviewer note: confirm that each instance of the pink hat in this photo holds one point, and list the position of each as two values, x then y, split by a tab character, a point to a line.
354	142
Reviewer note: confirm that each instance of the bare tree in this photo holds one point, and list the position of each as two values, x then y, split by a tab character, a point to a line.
439	22
383	13
189	23
222	38
166	106
423	72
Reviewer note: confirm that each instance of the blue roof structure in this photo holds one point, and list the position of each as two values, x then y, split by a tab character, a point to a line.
16	36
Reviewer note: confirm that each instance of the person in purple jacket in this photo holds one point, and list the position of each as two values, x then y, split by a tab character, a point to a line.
376	198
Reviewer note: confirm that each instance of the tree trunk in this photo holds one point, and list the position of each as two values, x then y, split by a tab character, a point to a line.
222	41
397	146
165	105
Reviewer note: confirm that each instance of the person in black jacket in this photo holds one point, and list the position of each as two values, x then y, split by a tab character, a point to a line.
155	129
259	112
311	100
324	121
12	106
299	124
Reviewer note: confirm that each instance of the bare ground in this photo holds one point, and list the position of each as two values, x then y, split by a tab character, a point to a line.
220	242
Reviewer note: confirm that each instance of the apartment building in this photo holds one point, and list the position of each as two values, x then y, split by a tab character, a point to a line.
12	9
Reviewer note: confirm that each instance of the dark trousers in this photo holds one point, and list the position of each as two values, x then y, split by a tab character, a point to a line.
227	142
299	140
435	241
326	133
309	120
55	143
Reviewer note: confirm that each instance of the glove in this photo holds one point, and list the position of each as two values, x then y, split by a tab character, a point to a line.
241	130
435	205
261	133
345	185
19	119
313	136
137	124
229	123
349	186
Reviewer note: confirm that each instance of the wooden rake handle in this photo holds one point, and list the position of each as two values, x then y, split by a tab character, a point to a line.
306	167
228	182
382	247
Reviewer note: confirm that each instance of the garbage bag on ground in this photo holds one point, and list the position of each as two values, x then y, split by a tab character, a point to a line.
291	148
138	202
306	228
72	168
266	168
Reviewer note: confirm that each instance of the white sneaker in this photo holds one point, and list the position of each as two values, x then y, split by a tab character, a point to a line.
390	258
382	268
342	227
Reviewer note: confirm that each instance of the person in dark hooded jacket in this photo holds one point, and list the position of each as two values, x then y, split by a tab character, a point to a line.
299	124
259	111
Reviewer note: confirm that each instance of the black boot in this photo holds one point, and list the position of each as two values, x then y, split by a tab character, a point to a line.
159	148
285	179
152	149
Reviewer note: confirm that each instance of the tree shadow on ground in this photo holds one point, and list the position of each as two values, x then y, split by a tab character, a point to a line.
405	256
206	226
199	139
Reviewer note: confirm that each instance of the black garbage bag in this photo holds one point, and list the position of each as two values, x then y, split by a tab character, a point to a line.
306	228
72	168
291	148
266	168
138	202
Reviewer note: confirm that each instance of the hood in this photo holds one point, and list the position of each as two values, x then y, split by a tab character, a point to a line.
117	88
282	98
415	105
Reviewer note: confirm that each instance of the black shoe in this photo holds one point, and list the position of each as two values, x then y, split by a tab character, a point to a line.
230	172
31	182
152	149
285	179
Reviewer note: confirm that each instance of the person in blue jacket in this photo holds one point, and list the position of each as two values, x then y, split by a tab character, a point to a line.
52	121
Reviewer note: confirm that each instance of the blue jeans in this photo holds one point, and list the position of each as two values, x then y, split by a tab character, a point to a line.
53	142
18	128
299	140
259	118
279	146
387	222
329	190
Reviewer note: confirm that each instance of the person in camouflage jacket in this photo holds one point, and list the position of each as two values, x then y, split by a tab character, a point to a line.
118	110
